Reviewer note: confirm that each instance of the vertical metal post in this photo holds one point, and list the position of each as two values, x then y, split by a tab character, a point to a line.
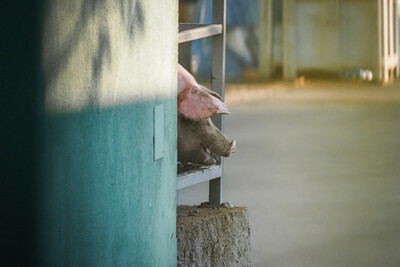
396	36
289	18
266	38
215	191
379	54
218	83
390	28
218	49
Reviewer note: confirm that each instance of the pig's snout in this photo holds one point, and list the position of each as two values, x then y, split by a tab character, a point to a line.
230	149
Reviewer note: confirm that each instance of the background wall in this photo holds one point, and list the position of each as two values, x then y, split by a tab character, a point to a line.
99	188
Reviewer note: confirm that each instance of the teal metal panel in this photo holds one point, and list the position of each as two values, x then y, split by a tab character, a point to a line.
103	200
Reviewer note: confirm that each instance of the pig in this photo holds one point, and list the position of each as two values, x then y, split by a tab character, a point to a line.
199	140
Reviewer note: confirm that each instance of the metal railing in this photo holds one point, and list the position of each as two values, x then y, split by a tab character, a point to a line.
190	32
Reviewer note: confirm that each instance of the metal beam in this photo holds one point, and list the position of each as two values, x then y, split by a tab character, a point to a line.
189	32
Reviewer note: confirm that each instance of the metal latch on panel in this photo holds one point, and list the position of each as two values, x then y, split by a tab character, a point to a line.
158	132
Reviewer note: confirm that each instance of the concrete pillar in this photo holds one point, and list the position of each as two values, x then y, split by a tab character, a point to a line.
213	236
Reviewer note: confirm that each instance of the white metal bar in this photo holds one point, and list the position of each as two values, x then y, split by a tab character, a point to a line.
189	32
197	176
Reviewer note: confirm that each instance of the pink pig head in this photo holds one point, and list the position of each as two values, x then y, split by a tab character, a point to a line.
199	140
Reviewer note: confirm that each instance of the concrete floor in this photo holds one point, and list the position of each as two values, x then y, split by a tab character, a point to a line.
318	166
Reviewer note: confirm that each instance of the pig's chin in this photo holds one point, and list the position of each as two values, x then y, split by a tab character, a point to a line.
209	162
208	159
200	157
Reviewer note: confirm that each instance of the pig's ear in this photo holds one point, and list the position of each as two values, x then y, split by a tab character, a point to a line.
185	79
211	92
196	103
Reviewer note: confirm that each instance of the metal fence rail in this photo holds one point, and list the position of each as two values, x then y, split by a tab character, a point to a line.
190	32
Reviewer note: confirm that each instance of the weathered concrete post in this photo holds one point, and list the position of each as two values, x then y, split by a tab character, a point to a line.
213	236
